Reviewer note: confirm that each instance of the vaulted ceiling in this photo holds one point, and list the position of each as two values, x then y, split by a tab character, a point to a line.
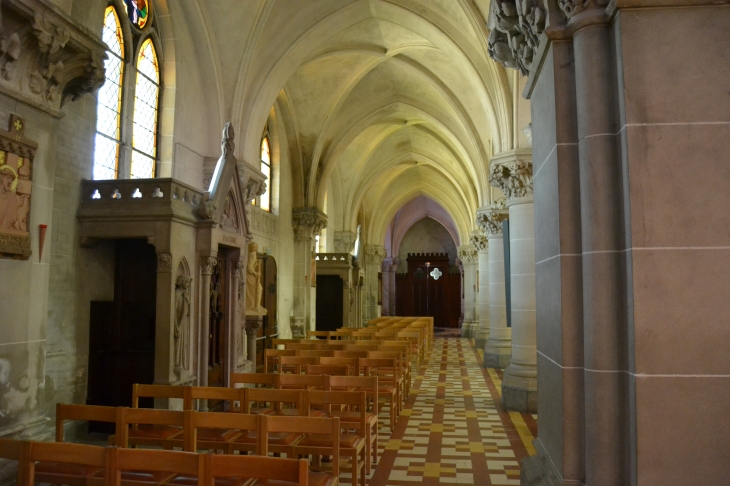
383	101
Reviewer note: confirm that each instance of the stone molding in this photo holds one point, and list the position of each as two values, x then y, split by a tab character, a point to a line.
479	241
390	264
345	241
46	60
374	254
164	262
512	173
571	8
207	264
516	26
468	254
307	223
490	220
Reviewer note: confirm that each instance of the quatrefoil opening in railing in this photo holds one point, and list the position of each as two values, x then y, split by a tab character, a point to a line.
157	192
116	194
96	194
436	273
137	194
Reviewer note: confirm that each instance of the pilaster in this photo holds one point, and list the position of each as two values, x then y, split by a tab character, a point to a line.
307	223
469	258
374	255
480	330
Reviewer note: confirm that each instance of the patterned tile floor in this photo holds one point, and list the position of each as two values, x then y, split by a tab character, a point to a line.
453	429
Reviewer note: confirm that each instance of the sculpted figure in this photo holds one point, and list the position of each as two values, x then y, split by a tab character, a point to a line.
10	205
182	323
254	290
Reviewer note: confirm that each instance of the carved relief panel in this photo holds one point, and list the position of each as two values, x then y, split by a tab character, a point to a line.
16	164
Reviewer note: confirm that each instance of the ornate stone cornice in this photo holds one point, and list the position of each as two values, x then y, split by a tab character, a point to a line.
479	241
47	60
516	26
490	220
467	254
345	241
307	222
512	173
374	254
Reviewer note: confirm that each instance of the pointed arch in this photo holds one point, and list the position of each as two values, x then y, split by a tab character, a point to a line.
146	107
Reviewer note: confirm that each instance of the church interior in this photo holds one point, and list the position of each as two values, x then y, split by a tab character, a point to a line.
366	242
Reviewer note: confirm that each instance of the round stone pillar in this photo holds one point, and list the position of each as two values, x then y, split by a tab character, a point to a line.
481	331
498	350
468	257
512	172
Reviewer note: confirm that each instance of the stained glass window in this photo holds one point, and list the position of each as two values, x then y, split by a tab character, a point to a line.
265	199
146	96
109	104
137	11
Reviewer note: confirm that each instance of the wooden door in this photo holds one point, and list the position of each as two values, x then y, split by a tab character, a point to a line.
122	332
218	310
329	302
423	292
270	301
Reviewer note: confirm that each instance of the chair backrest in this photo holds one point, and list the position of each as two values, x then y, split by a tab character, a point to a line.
336	370
275	397
298	362
350	354
351	399
351	363
271	357
362	347
367	384
10	449
215	420
318	334
302	425
387	368
320	353
289	471
89	413
173	462
265	380
147	416
302	382
58	452
155	391
227	395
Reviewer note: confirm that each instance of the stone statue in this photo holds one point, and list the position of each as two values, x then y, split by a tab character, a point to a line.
182	323
254	289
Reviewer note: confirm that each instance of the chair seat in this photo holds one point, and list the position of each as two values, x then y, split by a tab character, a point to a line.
315	479
293	412
217	435
51	472
182	480
154	432
386	389
349	441
133	478
261	411
347	416
275	438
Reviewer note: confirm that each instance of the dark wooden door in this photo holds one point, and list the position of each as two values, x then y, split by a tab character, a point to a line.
426	292
218	309
329	302
269	300
122	332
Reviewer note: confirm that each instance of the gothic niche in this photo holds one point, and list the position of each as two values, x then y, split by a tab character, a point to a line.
16	164
229	218
254	289
182	318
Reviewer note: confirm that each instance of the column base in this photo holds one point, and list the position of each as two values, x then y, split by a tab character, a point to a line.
479	342
534	473
518	399
466	330
500	361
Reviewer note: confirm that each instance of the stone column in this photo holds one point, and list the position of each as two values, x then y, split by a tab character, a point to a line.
468	256
498	350
512	173
480	331
307	223
207	264
389	266
165	320
374	255
237	355
252	325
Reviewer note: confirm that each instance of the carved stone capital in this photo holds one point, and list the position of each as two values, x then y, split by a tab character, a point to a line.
307	223
164	262
512	173
345	241
571	8
390	264
374	254
252	324
490	220
207	264
467	254
479	241
46	60
516	26
253	182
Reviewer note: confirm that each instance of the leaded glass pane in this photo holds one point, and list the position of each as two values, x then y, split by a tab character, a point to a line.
265	152
265	197
144	134
109	101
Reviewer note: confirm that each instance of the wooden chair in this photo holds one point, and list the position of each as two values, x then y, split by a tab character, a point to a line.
214	438
258	380
151	427
351	363
233	425
402	375
264	470
297	363
336	370
387	372
318	334
155	435
145	466
369	385
67	461
351	444
350	354
319	353
302	382
271	358
324	430
88	413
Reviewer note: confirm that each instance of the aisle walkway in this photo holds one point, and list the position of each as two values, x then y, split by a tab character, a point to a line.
453	429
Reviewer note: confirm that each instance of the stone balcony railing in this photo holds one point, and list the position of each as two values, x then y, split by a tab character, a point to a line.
338	258
143	199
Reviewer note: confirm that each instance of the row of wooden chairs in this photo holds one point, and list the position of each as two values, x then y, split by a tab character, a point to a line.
112	466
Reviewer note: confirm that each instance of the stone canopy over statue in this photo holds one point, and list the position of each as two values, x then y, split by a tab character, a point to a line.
254	289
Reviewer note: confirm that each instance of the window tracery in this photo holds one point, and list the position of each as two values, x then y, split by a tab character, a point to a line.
146	95
265	198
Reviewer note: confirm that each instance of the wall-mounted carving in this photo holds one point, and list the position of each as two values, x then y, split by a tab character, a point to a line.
229	218
254	289
182	319
307	223
516	27
513	178
164	262
479	241
16	169
468	255
45	59
374	254
490	220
